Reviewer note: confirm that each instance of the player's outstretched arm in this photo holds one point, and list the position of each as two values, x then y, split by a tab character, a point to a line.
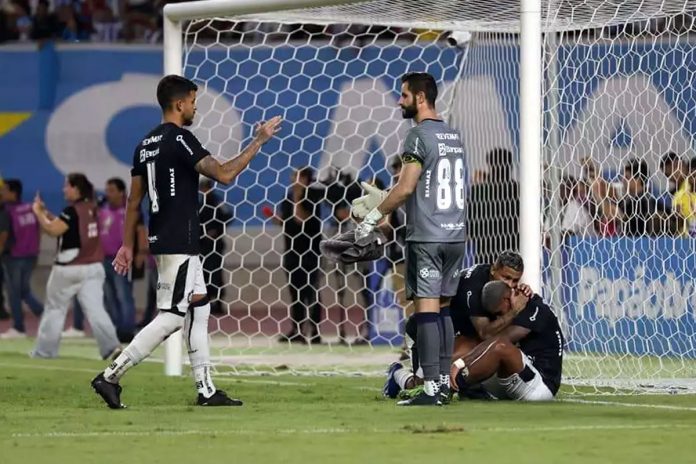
53	226
124	256
226	172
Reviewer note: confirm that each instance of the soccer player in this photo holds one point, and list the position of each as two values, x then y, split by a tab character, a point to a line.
524	362
431	183
167	164
472	323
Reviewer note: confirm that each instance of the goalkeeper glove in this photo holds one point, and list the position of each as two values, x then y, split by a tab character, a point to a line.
363	205
368	224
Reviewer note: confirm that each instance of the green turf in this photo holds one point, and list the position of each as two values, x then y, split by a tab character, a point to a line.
49	414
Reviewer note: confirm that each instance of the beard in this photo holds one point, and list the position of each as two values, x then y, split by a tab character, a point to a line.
188	120
409	112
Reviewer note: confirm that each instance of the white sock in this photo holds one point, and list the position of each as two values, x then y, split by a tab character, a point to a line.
143	344
445	380
431	387
196	336
402	376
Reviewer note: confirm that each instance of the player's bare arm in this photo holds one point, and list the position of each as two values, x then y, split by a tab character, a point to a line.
124	257
53	226
228	171
408	180
488	329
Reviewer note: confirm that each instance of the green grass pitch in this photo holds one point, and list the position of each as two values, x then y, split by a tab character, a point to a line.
49	414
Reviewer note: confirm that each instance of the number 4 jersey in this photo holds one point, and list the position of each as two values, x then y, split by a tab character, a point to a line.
166	159
435	211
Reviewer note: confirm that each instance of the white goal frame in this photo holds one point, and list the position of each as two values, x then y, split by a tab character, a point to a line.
531	88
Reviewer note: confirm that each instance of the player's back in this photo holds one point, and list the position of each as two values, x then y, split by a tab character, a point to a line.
435	212
544	344
166	159
467	302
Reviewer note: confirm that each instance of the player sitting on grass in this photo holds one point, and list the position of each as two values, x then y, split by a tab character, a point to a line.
472	323
525	361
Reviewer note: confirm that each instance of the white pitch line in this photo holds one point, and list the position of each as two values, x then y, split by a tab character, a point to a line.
630	405
331	431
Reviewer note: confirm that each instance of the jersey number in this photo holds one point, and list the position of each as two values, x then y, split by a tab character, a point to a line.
152	190
445	189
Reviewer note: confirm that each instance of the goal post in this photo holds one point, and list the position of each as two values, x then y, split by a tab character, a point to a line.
570	105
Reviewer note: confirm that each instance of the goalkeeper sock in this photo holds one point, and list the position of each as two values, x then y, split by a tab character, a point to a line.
446	342
143	344
196	336
402	376
428	343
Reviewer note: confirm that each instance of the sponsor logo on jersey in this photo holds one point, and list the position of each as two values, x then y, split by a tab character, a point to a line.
145	154
533	316
164	286
429	273
153	139
152	238
452	226
447	136
172	183
180	139
445	149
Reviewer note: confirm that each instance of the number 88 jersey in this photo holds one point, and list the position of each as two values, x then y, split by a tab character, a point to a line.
435	212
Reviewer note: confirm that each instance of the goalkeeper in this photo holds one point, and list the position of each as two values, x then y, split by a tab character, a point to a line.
431	184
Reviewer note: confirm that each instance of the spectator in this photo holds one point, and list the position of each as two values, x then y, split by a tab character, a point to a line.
299	216
684	202
675	170
494	209
118	289
78	269
140	20
106	26
641	213
214	216
577	214
19	246
44	23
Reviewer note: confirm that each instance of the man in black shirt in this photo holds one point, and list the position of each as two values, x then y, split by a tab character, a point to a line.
167	164
524	362
299	215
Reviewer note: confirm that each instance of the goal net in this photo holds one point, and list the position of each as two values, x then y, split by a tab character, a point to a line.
619	220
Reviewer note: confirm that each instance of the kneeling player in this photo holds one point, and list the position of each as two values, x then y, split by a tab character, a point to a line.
525	361
472	323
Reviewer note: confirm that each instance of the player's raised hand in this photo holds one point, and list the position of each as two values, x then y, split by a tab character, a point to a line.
265	130
361	206
38	205
123	260
518	301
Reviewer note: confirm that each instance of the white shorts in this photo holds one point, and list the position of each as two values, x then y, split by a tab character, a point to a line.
179	277
514	388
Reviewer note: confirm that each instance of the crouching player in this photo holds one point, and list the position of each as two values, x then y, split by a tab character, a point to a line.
524	361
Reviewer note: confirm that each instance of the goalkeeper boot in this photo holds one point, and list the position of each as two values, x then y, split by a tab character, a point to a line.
219	398
391	389
110	392
421	399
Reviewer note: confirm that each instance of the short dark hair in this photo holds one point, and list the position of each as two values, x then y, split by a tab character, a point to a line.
493	292
307	173
510	259
15	186
421	82
668	158
171	88
638	169
82	184
118	183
